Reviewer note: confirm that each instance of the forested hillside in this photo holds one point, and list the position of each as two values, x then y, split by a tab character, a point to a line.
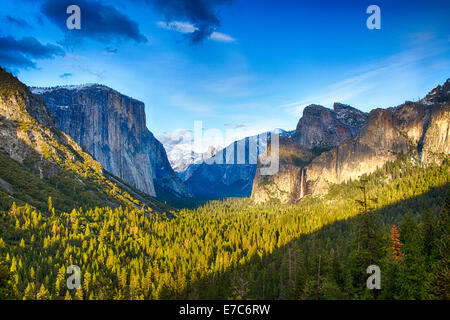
38	161
317	249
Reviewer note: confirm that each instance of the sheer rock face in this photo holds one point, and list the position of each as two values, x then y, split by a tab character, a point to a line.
362	143
320	126
319	129
289	184
421	127
112	127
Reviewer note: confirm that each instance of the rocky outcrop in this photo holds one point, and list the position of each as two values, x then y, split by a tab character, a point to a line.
318	130
289	184
420	128
362	143
320	126
435	142
112	128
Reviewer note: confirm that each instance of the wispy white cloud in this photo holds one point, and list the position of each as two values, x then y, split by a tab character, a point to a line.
242	125
221	37
186	27
85	68
380	76
182	27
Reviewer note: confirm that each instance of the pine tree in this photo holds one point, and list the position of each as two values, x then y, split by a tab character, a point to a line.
6	285
60	280
30	292
396	244
79	294
68	296
87	282
51	209
370	244
43	293
413	275
442	266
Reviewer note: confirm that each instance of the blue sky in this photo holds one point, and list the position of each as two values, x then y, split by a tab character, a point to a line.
252	64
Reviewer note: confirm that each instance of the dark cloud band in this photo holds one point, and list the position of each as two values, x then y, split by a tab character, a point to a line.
23	53
203	14
98	21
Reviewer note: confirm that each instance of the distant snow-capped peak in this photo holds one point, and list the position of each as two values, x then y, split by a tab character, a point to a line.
181	151
42	90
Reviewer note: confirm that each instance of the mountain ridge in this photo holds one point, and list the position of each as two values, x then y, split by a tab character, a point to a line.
420	127
320	126
228	177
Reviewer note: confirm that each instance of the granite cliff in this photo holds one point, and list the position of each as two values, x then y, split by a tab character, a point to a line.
361	144
112	128
289	184
39	161
318	130
417	128
320	126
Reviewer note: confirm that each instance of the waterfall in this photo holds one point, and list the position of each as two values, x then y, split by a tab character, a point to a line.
302	192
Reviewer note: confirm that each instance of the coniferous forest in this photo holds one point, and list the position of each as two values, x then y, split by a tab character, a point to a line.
396	218
219	153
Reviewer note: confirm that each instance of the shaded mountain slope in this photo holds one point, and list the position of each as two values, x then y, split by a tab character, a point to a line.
48	159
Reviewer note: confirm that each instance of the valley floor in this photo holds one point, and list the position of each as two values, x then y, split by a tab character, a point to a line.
317	249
